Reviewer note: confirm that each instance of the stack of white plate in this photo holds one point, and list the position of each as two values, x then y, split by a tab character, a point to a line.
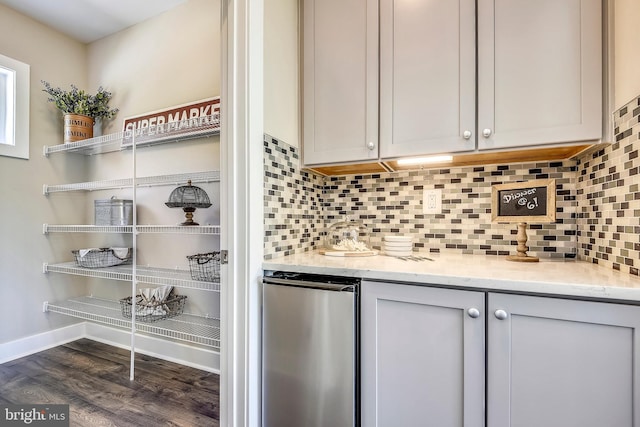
397	245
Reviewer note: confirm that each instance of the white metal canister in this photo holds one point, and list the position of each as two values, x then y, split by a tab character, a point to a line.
113	211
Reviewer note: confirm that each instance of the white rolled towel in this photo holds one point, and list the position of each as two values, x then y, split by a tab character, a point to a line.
120	252
162	293
83	252
159	294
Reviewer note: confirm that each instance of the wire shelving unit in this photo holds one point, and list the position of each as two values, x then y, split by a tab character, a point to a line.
151	135
201	330
148	181
144	274
128	229
185	327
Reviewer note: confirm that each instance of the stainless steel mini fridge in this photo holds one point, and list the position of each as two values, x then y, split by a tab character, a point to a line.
310	335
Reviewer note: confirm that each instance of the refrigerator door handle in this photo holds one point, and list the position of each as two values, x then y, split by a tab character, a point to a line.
306	284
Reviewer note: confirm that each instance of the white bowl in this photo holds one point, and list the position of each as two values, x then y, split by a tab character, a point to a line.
398	244
398	253
398	238
386	250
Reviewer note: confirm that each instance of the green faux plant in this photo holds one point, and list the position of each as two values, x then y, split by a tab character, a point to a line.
77	101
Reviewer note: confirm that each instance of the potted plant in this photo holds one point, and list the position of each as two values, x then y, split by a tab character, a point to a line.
80	109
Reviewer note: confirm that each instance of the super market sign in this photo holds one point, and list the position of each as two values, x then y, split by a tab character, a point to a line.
191	117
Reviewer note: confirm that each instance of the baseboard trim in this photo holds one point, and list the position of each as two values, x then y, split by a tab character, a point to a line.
35	343
195	357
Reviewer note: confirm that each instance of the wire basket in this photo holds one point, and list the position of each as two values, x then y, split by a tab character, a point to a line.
205	267
102	257
154	310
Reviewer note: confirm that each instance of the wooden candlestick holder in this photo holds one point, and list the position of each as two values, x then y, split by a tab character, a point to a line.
522	248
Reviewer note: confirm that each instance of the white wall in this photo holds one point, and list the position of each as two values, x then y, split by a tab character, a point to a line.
627	60
23	208
171	59
281	71
167	60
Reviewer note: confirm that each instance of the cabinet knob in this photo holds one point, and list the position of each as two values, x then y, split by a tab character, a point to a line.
501	314
466	134
371	145
473	312
486	133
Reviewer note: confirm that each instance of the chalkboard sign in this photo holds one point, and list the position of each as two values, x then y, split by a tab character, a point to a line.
532	201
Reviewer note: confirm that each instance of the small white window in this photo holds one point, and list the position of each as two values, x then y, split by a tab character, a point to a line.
7	106
14	108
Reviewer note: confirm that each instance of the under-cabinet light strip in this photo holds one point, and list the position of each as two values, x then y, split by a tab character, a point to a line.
425	160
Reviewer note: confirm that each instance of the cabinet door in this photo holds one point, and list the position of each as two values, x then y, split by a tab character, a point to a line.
427	77
554	362
340	117
539	72
422	356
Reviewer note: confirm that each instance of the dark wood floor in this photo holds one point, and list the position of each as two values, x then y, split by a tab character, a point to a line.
93	378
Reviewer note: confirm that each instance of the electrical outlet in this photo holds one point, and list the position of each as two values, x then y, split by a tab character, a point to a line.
432	201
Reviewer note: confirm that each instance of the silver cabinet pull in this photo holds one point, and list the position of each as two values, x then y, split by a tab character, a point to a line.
466	134
473	312
486	133
501	314
371	145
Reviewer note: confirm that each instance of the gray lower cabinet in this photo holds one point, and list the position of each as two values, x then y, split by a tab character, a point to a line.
556	362
422	356
549	361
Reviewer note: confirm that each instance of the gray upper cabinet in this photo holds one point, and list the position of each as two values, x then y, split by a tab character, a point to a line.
340	68
422	356
539	72
555	362
427	77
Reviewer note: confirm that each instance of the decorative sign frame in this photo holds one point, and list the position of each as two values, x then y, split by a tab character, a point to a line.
181	118
531	201
523	202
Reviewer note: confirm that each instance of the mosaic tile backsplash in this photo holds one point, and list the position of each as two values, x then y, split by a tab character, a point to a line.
292	207
608	197
598	204
391	203
299	206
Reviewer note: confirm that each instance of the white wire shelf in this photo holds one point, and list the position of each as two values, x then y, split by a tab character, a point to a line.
55	228
185	327
144	274
179	229
124	229
99	144
147	181
182	130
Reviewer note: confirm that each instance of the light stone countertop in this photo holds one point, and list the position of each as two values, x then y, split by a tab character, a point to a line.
547	277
